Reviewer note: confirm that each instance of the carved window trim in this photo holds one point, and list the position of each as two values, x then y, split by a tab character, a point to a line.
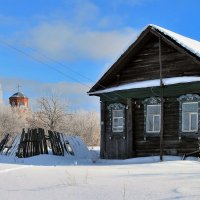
188	98
150	102
116	107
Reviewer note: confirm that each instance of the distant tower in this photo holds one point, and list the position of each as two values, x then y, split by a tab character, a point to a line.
19	100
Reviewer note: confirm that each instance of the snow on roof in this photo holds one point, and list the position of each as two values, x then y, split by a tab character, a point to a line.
188	43
150	83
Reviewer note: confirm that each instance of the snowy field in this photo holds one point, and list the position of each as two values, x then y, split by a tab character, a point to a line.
48	177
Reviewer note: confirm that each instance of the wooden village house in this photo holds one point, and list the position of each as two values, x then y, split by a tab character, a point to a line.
150	97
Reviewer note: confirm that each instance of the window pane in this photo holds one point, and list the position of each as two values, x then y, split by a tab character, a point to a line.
117	113
190	107
115	121
157	123
185	121
153	109
149	123
120	121
194	124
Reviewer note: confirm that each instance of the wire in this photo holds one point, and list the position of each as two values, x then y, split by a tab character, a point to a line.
64	66
61	64
75	72
58	71
43	63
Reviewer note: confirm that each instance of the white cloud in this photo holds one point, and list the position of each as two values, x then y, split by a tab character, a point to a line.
80	30
60	40
74	93
85	11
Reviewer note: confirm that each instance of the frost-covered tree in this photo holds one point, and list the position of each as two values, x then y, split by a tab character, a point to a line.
85	124
12	120
51	112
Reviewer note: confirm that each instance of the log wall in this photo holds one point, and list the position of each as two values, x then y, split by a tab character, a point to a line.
139	66
132	142
145	64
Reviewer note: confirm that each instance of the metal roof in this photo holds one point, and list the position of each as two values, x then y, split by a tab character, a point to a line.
19	94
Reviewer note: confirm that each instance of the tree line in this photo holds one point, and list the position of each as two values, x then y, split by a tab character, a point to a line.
52	113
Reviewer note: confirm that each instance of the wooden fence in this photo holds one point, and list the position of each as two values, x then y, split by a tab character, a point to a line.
33	142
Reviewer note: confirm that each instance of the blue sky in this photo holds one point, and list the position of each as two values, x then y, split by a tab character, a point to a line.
66	45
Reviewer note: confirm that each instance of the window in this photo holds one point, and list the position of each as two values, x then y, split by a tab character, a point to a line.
117	120
153	118
116	114
190	117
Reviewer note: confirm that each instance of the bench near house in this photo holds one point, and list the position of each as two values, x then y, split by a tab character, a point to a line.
150	97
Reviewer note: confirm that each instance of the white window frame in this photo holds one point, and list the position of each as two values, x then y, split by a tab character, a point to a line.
117	129
153	131
190	114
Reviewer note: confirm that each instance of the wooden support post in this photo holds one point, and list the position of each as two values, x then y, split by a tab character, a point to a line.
103	130
162	100
129	124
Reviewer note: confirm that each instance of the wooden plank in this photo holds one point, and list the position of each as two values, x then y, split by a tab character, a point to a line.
20	147
129	119
162	101
45	143
103	131
3	142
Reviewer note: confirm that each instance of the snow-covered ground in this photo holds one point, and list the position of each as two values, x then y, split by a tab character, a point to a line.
55	178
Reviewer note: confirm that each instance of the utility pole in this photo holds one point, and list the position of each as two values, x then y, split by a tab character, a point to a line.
162	100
